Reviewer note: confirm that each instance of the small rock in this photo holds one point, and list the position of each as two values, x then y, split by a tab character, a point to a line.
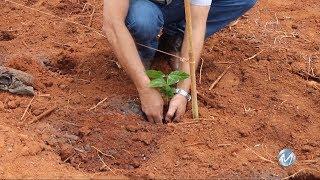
144	137
185	157
24	151
294	26
214	166
100	119
4	128
245	164
313	84
37	112
32	148
11	98
132	128
243	133
48	84
87	147
104	168
23	137
2	141
112	152
66	150
76	101
2	106
13	104
62	86
52	141
151	176
84	131
10	149
130	167
71	137
306	148
135	164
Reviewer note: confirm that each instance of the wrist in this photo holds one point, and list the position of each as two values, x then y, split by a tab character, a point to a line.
185	85
142	84
183	93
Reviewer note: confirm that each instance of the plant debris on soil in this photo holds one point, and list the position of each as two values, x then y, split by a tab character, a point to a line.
268	100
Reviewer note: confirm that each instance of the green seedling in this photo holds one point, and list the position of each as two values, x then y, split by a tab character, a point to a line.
165	83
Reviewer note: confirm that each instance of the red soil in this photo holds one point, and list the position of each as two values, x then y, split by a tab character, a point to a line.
262	105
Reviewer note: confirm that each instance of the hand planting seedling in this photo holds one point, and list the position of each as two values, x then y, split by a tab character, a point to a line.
165	83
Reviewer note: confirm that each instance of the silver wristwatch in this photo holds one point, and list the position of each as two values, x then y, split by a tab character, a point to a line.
183	93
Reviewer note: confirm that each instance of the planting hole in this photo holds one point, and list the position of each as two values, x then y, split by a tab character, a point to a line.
6	36
62	65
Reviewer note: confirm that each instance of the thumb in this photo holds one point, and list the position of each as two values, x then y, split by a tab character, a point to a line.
171	111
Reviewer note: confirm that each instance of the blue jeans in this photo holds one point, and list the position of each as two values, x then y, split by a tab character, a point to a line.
145	20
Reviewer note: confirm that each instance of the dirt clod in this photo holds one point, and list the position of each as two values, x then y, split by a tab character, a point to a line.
6	36
2	106
144	137
13	104
66	150
133	128
32	148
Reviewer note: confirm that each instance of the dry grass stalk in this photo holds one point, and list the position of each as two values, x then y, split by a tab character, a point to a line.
69	157
200	75
224	145
99	103
226	62
219	78
254	56
91	17
207	100
104	165
108	155
261	157
27	108
269	76
44	114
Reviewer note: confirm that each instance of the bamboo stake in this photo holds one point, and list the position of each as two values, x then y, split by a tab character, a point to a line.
195	108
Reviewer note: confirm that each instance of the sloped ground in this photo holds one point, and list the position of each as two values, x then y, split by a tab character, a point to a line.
263	104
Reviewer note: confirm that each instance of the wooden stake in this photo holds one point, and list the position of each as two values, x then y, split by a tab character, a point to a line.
195	108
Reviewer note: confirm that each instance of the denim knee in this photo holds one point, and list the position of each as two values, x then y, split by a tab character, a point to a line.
144	20
142	29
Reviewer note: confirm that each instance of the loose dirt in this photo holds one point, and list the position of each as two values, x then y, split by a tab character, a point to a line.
262	105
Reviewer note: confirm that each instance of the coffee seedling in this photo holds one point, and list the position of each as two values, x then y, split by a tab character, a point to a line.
165	83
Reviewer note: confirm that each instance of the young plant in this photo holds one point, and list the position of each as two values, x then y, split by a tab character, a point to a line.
165	83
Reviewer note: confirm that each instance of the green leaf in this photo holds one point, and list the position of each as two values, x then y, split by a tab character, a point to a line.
159	82
167	90
176	76
153	74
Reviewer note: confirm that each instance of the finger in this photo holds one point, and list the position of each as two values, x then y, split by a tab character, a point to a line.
170	114
158	119
179	113
150	118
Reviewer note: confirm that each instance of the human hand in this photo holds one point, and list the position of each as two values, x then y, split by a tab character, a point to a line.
152	104
177	108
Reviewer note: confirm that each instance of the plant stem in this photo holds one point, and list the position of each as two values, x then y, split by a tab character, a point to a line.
195	108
